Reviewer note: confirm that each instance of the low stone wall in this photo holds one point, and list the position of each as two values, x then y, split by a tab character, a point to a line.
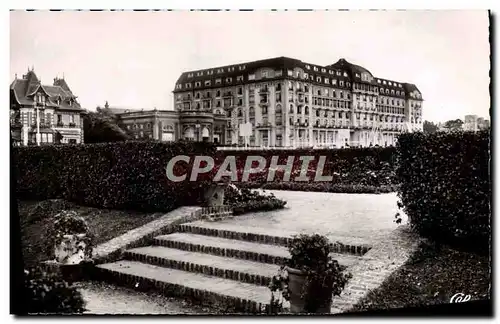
216	212
112	250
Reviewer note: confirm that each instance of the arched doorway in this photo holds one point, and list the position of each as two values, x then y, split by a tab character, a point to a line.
205	134
189	133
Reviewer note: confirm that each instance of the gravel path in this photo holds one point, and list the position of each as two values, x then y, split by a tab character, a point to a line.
366	216
108	299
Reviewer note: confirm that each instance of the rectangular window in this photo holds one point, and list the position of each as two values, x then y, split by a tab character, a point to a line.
218	81
264	74
251	77
207	83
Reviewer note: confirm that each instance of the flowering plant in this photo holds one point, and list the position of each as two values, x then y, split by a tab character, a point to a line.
324	276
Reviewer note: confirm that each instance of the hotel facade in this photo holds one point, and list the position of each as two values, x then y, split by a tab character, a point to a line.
285	103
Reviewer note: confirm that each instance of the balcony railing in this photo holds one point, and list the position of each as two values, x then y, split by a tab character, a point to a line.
264	124
63	125
42	125
16	124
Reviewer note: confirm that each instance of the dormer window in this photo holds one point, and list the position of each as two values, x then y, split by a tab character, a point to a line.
190	75
308	67
323	70
315	68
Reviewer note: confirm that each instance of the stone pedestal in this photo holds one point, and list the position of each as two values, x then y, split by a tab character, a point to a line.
214	196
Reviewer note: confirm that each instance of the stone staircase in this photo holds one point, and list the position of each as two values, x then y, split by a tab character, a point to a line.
223	266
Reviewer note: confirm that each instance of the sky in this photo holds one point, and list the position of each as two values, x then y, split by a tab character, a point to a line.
133	59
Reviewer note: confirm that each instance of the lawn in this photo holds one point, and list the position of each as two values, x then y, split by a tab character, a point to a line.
37	216
432	276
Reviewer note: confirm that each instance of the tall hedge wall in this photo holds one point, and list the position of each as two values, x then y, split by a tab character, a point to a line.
350	166
122	175
445	186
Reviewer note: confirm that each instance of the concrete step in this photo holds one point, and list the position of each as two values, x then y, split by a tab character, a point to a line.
259	235
230	295
229	268
263	253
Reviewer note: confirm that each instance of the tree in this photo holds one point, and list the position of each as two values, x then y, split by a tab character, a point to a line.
430	127
102	126
454	124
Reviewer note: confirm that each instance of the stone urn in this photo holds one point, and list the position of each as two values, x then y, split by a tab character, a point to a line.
320	296
71	250
214	195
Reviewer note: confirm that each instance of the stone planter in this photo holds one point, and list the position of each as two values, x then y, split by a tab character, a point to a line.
71	250
296	280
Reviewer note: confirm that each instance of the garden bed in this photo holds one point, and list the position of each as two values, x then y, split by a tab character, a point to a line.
431	276
246	201
320	187
37	216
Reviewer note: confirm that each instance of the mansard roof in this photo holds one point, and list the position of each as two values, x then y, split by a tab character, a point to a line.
340	70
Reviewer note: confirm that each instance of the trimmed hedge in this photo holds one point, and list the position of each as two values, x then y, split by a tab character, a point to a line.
446	187
121	175
351	166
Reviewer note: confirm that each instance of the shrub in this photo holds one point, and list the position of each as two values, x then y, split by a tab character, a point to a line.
121	175
445	186
48	293
246	201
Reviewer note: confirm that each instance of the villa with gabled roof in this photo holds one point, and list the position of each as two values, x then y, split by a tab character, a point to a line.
43	114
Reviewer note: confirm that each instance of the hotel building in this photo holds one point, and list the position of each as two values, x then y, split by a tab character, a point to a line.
288	103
